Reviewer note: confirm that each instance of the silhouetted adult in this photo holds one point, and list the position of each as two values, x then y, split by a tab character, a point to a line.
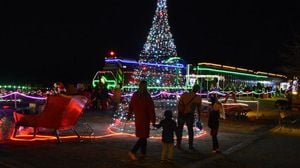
116	98
102	96
187	104
142	106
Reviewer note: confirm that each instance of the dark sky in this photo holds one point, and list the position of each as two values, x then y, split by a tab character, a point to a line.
49	41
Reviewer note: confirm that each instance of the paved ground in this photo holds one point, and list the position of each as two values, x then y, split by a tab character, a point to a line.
244	143
279	148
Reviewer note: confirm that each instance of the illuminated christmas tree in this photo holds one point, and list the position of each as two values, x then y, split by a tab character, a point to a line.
160	52
160	66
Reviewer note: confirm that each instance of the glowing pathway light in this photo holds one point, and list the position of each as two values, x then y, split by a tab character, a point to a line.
27	136
94	137
154	133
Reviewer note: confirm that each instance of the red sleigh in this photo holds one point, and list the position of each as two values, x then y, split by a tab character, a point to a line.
60	113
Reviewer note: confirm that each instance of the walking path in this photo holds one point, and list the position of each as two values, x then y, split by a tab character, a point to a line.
278	148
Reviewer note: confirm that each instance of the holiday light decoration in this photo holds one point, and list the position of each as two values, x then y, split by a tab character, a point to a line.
160	66
14	87
231	72
170	60
158	49
241	69
23	95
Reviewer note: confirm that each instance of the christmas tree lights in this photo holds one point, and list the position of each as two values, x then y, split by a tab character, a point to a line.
158	49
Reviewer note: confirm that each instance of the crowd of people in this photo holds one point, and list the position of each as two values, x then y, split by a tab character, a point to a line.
100	97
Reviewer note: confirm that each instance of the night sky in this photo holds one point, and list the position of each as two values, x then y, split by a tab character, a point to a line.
67	41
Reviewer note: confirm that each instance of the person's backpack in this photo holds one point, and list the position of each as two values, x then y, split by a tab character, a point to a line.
181	106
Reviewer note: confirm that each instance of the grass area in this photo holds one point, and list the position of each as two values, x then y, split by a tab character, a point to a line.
264	115
266	110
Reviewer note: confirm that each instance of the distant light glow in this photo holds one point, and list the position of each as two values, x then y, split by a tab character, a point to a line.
171	59
112	53
24	95
157	87
14	87
230	72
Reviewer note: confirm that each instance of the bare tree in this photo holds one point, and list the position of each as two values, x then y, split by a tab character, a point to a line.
290	58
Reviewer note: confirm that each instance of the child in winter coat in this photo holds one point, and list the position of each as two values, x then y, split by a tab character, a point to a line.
169	129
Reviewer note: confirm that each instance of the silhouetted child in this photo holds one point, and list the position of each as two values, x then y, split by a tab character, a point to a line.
215	113
169	129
